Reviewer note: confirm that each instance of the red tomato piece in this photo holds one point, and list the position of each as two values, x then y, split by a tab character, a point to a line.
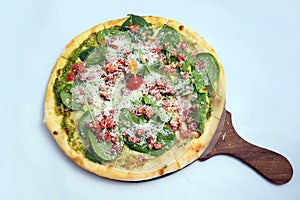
70	76
134	82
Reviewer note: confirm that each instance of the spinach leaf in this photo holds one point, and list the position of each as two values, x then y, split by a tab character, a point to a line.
57	88
167	139
134	20
136	147
184	84
84	54
110	33
91	157
201	101
103	149
169	38
163	114
67	98
143	30
82	51
148	100
198	81
212	68
96	56
126	118
83	130
186	67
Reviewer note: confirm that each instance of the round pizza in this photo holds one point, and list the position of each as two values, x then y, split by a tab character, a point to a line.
135	98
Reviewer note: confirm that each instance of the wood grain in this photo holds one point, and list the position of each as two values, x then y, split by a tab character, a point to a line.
271	165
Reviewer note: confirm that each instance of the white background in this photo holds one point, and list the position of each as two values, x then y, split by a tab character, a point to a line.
258	44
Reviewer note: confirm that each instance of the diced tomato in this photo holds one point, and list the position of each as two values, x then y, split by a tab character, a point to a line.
200	65
160	84
141	110
81	91
149	113
111	137
112	112
169	90
134	28
157	49
183	45
99	137
193	126
107	122
173	53
114	46
76	67
70	76
127	53
122	61
140	132
171	105
134	139
181	57
105	95
174	123
111	68
94	126
158	96
157	146
185	134
195	106
150	139
189	119
185	75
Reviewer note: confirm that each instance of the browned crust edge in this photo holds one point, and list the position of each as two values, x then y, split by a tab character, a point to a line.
53	121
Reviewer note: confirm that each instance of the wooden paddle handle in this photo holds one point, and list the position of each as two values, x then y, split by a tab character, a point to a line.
269	164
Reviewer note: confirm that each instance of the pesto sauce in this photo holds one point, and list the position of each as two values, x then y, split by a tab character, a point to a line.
59	84
60	81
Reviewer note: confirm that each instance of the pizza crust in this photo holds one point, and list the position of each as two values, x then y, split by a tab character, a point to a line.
177	157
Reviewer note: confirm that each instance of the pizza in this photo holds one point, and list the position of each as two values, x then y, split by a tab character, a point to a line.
135	98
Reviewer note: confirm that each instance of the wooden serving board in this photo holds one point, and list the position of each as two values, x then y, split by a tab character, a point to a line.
271	165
